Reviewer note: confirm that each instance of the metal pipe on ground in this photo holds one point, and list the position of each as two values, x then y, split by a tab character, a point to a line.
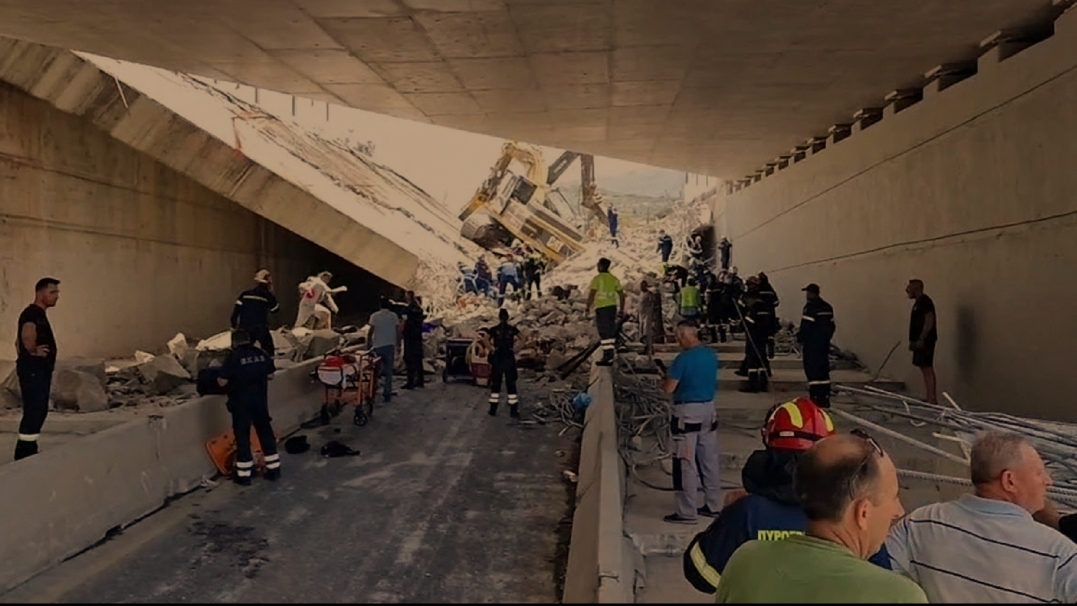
899	436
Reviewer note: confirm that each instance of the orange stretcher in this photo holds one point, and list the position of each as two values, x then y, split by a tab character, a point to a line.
349	379
222	451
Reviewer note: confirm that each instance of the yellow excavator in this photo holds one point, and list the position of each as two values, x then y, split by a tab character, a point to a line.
509	206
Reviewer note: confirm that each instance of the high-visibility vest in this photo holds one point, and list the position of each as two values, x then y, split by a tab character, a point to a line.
690	296
607	290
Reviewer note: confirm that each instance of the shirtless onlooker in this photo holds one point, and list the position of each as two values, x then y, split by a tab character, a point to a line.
986	547
848	488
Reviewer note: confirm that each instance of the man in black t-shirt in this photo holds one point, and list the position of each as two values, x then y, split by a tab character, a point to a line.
500	341
35	347
923	334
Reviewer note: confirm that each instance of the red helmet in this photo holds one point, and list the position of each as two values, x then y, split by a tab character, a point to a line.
796	425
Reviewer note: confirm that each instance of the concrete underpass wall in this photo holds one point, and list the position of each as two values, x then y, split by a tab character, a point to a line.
973	190
142	252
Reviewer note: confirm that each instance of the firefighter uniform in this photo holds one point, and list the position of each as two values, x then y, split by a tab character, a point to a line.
35	379
766	292
247	371
607	300
251	313
758	320
503	366
816	330
413	345
715	289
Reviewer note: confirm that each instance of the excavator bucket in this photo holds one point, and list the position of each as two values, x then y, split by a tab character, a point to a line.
222	451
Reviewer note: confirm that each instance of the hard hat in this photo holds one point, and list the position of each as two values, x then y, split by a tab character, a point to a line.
796	425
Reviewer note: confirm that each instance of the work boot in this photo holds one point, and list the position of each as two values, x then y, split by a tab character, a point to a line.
514	411
272	474
763	382
25	449
242	481
751	386
493	409
607	358
722	333
323	417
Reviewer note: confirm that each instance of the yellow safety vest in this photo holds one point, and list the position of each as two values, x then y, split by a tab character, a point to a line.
690	296
607	290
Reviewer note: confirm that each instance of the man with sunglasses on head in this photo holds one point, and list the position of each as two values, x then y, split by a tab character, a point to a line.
986	547
848	488
767	508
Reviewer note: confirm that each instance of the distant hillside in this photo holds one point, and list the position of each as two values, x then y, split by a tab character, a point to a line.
653	182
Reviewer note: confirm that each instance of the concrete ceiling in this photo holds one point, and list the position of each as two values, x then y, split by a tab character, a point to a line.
710	86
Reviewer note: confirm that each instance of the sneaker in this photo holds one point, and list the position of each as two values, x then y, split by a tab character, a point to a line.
676	518
274	474
706	511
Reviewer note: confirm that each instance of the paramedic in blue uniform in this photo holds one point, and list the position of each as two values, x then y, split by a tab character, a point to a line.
692	379
500	341
767	509
252	309
245	374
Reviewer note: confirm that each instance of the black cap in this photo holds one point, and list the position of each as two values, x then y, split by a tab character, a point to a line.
812	288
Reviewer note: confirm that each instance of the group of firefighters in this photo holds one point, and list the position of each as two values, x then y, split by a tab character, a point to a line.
522	269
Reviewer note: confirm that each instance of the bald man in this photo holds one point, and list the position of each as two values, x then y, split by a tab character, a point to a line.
848	488
986	547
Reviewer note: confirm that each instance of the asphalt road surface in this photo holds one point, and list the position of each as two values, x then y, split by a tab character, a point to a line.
445	504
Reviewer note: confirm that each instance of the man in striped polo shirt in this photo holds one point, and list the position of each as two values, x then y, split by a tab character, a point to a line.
985	547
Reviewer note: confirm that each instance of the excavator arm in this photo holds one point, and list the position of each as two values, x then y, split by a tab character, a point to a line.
589	194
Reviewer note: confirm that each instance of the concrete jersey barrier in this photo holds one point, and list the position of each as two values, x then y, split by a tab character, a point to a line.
600	563
64	500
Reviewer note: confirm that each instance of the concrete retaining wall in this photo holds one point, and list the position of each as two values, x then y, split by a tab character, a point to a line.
600	567
63	500
973	190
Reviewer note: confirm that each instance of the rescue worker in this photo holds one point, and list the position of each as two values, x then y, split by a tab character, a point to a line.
35	348
725	249
691	382
413	341
533	268
688	302
316	304
712	301
767	509
483	277
467	278
507	274
500	341
770	297
665	247
607	298
252	309
816	330
245	373
650	318
757	325
695	247
614	221
677	275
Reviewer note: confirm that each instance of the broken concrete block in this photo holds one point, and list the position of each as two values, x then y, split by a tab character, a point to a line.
93	366
142	357
321	342
219	341
177	346
78	390
9	381
164	374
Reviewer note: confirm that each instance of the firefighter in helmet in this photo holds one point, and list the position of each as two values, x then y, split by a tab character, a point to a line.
767	508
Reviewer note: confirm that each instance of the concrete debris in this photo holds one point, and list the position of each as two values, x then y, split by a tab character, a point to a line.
164	373
79	391
142	357
178	346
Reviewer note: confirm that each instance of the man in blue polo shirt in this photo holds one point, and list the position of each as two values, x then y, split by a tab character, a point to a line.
693	381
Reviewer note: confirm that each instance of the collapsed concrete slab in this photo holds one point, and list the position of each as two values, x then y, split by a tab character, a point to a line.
318	189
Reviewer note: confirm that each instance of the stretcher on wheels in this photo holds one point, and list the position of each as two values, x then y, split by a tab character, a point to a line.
349	379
